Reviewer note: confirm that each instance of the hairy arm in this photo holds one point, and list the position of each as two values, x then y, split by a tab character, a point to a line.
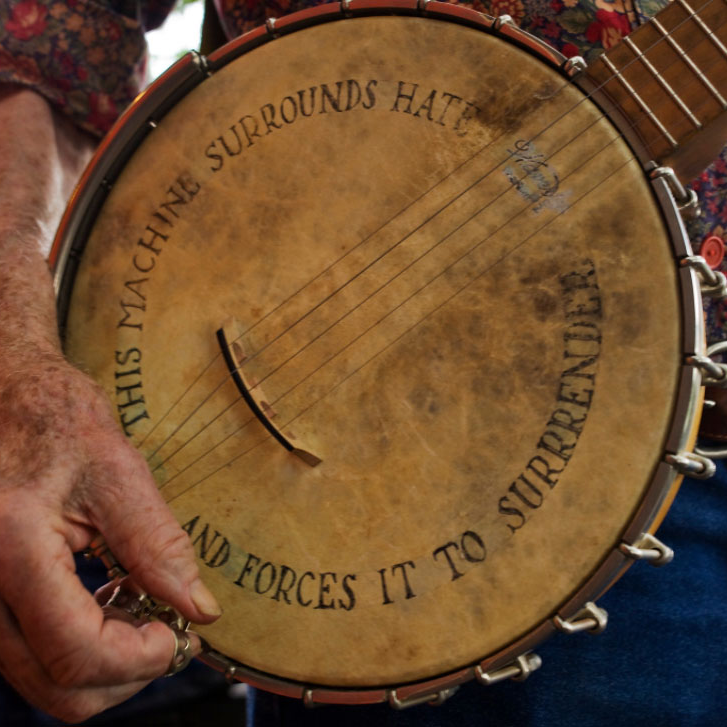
66	470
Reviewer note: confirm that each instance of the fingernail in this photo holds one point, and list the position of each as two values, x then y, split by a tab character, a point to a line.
204	600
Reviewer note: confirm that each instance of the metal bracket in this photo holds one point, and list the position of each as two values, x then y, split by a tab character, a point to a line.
433	699
590	618
573	66
308	701
502	20
129	605
708	378
691	465
231	674
650	549
129	598
686	199
518	670
713	282
713	374
168	616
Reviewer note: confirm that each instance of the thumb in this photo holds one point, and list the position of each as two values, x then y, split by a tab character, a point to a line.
143	535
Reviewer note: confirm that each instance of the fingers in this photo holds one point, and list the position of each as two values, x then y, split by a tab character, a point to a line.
67	471
24	671
144	536
64	626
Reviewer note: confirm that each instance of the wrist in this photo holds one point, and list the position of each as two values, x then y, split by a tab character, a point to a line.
41	156
27	305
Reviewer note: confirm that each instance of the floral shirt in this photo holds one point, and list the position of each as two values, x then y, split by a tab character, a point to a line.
89	59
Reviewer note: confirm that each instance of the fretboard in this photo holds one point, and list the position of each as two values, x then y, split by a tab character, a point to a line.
669	78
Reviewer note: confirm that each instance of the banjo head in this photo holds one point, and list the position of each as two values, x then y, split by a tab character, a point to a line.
394	315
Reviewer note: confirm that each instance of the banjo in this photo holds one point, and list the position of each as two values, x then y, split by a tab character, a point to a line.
413	345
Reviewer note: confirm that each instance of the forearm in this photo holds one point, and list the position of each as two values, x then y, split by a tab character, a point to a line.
41	157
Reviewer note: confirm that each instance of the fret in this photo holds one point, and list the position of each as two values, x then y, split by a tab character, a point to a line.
692	65
703	27
663	83
669	79
640	101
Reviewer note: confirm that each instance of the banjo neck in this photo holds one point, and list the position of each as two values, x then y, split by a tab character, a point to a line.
669	79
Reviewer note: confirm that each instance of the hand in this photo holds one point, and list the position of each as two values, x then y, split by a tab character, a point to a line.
66	471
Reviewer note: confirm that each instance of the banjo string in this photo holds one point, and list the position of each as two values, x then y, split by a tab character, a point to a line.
360	272
394	217
393	342
458	196
323	272
452	231
506	254
360	303
227	408
251	419
328	269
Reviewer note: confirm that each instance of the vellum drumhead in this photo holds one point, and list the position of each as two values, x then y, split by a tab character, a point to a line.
413	275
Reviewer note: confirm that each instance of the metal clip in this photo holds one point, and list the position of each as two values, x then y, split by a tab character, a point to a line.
715	452
308	699
573	66
590	618
169	616
713	373
518	670
346	8
422	5
650	549
131	604
116	571
713	282
433	699
691	465
270	27
502	20
182	653
686	199
201	63
230	674
127	603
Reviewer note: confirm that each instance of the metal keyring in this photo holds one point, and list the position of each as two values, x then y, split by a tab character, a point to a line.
182	653
127	604
714	452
